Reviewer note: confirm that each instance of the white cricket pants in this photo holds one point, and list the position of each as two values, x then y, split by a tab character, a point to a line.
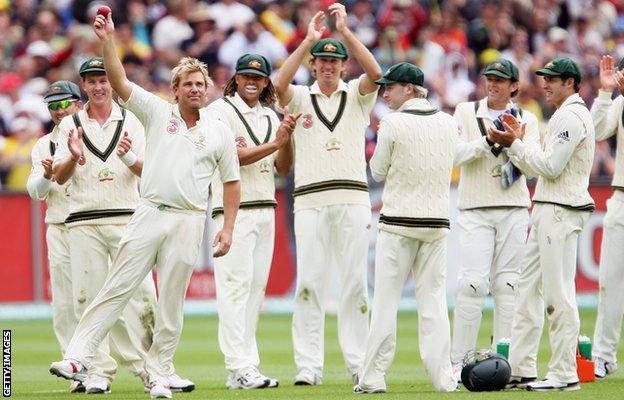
64	318
241	277
611	280
491	247
336	235
547	282
171	240
92	247
395	256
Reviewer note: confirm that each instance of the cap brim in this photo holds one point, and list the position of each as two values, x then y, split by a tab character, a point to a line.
546	71
252	72
499	74
57	97
384	81
324	54
93	71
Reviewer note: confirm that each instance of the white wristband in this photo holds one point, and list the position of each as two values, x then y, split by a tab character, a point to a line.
129	158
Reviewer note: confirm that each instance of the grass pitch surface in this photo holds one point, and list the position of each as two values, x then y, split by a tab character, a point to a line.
199	359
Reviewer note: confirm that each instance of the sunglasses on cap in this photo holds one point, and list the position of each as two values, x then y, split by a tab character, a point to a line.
60	105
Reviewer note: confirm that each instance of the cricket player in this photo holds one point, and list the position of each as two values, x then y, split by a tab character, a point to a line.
562	206
183	149
63	99
607	116
103	193
414	155
332	205
493	219
263	146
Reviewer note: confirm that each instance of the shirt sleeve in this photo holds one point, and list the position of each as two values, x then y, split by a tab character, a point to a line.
144	104
294	106
229	167
606	113
366	101
565	132
380	161
137	136
466	150
62	151
37	186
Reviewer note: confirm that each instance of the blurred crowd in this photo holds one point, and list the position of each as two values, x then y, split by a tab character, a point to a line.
451	40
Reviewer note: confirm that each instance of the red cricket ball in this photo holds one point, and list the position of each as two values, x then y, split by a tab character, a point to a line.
104	11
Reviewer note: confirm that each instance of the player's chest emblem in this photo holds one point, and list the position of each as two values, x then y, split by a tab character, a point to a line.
173	126
265	167
199	141
307	121
333	144
241	143
496	171
106	175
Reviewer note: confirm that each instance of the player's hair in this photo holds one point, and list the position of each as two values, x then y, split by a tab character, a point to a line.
186	66
267	97
420	92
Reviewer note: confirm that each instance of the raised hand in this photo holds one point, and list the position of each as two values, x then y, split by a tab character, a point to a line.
75	145
316	27
103	26
608	79
339	12
124	145
287	127
47	168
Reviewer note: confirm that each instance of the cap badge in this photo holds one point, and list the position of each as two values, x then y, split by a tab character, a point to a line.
95	63
255	64
330	47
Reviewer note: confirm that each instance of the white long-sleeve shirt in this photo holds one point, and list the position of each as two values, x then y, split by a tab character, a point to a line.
564	161
607	115
40	188
414	155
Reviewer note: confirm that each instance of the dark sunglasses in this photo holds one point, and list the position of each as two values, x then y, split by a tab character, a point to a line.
60	105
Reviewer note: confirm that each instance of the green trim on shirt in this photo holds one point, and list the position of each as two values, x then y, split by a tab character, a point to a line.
330	185
415	222
113	143
247	204
331	125
586	207
97	214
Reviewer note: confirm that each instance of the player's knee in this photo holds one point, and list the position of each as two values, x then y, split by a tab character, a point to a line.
504	284
473	288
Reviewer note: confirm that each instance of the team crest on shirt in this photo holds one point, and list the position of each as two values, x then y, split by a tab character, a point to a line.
496	171
106	175
241	143
307	121
265	167
333	144
173	127
200	142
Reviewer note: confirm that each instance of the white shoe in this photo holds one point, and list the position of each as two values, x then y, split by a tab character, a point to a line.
457	370
357	389
178	384
248	378
273	383
97	385
550	385
307	378
603	368
76	387
159	391
69	369
519	382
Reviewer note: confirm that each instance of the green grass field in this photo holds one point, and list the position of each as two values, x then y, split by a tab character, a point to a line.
199	359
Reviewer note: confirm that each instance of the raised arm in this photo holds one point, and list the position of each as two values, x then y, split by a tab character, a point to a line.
363	56
605	113
287	71
104	29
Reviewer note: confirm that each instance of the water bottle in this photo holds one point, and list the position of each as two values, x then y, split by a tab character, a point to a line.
502	347
585	347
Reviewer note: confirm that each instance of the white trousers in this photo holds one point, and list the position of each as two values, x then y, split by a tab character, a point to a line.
395	256
241	277
169	239
64	318
611	279
328	236
92	247
491	247
547	282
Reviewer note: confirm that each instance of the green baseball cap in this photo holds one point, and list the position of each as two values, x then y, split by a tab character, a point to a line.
253	64
404	73
329	48
563	67
93	64
61	90
502	68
